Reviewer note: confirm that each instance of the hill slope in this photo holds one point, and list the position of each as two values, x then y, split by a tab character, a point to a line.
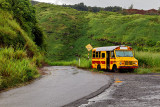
69	30
66	30
125	29
21	42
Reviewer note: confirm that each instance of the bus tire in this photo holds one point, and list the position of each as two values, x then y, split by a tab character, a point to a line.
98	67
114	69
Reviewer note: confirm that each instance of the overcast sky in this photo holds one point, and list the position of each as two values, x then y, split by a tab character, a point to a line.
138	4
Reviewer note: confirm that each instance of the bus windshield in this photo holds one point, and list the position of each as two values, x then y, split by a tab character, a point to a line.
124	53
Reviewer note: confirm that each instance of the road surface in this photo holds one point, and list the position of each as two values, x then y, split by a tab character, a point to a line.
61	85
129	90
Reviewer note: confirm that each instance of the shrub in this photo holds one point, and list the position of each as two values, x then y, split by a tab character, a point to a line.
15	68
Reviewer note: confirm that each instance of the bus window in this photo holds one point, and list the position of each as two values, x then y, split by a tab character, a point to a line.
112	55
96	54
99	54
103	55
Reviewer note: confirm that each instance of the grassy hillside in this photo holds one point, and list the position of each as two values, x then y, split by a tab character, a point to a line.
66	31
21	42
69	31
72	28
139	30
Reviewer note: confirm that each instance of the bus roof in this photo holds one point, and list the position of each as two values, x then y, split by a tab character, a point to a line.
108	48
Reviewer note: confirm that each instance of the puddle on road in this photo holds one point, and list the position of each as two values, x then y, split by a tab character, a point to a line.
117	80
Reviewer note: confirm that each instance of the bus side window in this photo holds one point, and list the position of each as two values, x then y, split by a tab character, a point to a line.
112	55
94	54
99	54
103	55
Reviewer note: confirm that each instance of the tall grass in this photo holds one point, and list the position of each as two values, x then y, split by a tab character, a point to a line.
62	63
82	63
149	62
20	31
15	67
148	59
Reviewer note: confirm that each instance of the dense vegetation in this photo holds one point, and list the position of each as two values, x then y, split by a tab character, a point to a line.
135	30
19	15
21	42
69	31
83	7
129	11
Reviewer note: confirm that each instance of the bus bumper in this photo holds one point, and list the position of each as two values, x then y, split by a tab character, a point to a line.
128	67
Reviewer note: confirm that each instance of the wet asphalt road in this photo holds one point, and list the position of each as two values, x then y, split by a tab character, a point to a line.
129	90
61	85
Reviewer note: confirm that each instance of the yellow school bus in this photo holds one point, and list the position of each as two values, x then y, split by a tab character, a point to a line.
114	58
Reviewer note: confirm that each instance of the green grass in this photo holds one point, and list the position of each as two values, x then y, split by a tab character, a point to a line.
84	63
66	31
15	68
149	62
62	63
145	70
125	29
142	70
148	59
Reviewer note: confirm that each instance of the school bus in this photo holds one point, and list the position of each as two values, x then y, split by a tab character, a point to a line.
114	58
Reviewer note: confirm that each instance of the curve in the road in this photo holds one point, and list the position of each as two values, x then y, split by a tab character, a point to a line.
63	86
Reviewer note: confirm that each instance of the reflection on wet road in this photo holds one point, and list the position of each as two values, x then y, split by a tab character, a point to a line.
61	86
129	90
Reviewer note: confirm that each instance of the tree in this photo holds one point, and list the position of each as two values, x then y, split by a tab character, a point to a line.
131	7
83	7
24	13
113	9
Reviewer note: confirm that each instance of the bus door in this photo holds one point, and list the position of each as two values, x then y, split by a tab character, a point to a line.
108	59
103	60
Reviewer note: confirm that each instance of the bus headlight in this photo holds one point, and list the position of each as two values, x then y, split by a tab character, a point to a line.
120	63
135	63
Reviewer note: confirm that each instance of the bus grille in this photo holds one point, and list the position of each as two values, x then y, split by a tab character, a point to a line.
128	63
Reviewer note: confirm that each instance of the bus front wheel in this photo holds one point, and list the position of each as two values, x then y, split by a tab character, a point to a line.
114	69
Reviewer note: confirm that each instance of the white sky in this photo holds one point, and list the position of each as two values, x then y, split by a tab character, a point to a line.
138	4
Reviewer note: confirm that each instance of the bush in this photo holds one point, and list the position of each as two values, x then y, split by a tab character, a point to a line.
15	68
